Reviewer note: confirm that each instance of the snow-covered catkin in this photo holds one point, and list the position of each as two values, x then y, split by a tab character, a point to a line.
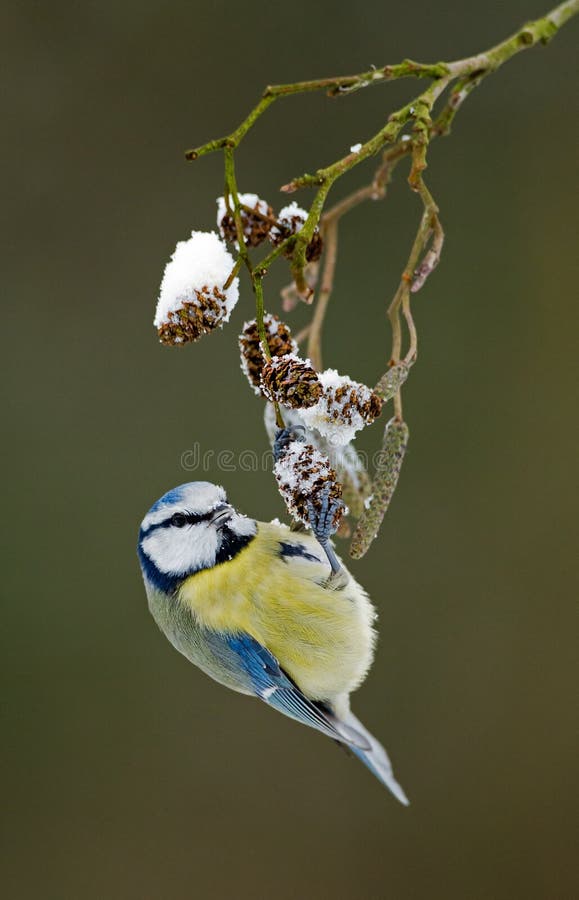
303	474
385	480
194	317
344	408
290	220
193	299
290	381
279	341
344	458
256	220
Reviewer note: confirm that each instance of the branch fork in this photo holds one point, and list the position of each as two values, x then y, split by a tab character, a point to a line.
457	79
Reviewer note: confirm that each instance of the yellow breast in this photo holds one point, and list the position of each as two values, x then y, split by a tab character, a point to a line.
322	638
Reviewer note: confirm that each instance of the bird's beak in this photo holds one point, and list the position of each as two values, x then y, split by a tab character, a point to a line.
221	514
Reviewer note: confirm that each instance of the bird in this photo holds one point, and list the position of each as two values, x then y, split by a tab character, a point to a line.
252	605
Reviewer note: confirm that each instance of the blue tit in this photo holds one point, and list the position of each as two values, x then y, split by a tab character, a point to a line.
250	603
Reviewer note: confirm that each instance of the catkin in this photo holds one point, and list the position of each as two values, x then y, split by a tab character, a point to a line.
391	381
385	480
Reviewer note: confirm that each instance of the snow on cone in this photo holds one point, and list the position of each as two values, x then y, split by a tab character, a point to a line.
193	299
304	476
256	223
344	408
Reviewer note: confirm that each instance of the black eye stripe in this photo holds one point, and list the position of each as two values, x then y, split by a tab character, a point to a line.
181	519
191	519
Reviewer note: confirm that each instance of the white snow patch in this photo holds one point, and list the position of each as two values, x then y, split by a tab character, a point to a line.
287	217
279	524
291	477
202	262
327	416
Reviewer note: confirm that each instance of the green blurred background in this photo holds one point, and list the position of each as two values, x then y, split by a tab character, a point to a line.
128	773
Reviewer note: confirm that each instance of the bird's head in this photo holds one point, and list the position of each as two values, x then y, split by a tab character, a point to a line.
190	528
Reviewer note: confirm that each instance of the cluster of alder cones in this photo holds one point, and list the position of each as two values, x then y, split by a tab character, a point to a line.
304	473
198	293
259	223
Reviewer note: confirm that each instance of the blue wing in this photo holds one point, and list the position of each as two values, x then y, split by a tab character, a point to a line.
271	684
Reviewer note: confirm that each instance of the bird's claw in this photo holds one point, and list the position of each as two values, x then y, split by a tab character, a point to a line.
285	436
322	520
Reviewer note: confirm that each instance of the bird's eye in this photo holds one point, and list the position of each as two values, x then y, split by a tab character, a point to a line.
179	520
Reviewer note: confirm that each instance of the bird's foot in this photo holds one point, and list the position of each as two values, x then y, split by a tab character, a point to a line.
322	520
285	436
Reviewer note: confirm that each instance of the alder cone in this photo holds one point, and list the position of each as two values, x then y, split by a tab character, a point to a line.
304	476
291	382
194	318
256	225
279	341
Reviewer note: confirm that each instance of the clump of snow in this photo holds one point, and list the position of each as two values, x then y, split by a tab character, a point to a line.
199	266
287	468
279	524
345	407
290	220
355	148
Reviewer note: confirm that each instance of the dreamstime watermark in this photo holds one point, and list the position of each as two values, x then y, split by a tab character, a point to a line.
195	459
226	460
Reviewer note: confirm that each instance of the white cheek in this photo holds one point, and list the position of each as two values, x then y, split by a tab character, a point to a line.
176	551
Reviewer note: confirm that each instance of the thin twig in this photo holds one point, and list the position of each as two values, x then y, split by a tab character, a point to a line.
466	74
542	30
328	273
302	335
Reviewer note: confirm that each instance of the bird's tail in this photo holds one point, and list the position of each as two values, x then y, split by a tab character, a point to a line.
376	758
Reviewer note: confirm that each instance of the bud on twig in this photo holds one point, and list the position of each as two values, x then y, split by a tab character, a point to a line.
428	264
290	297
